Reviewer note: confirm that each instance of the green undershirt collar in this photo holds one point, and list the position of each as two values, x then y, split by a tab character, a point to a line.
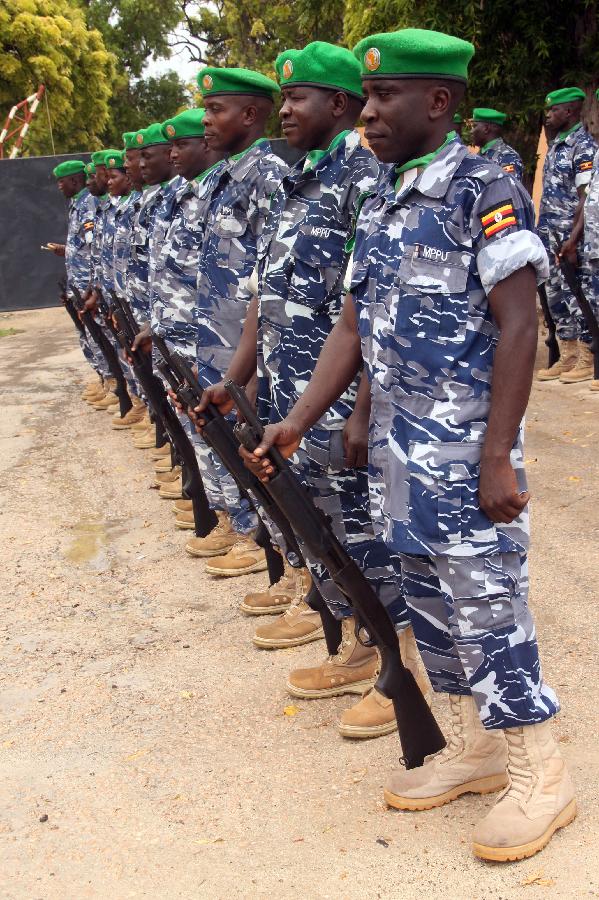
564	134
202	176
76	197
423	161
314	156
489	144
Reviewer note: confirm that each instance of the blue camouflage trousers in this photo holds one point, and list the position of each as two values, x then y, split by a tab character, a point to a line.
565	312
590	286
342	495
88	353
476	634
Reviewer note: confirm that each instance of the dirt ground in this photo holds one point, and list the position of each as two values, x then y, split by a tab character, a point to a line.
144	747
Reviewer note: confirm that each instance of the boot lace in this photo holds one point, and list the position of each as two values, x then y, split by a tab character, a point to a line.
519	768
455	741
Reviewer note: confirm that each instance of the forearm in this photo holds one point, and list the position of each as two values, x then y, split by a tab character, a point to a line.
362	405
337	365
243	364
578	224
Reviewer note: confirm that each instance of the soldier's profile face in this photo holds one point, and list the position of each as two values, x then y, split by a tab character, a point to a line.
557	116
188	156
118	183
132	165
155	163
395	118
225	121
306	116
101	180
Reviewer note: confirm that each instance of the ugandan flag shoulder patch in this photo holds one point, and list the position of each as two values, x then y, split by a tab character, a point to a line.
509	168
498	217
87	226
585	166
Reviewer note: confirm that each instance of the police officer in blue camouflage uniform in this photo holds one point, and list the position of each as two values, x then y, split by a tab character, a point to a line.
583	248
238	103
442	311
302	259
487	127
71	180
566	174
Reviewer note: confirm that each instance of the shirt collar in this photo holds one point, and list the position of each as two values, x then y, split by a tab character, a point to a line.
490	144
434	179
80	193
240	164
326	169
566	134
313	157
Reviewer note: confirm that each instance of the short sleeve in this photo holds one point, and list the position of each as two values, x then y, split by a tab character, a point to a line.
583	162
503	233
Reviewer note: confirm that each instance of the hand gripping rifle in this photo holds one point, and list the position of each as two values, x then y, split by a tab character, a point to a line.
68	305
218	433
108	351
205	519
419	733
571	278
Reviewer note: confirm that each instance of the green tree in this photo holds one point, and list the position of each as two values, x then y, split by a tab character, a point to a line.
48	42
523	50
138	103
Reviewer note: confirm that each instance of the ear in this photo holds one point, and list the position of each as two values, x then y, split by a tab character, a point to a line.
438	100
249	115
339	102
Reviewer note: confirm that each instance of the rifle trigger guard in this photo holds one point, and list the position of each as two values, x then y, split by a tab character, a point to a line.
363	637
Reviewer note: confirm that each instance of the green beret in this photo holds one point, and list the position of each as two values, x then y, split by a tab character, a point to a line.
115	159
564	95
69	167
457	119
98	157
189	123
482	114
129	140
149	136
414	53
213	81
320	65
90	169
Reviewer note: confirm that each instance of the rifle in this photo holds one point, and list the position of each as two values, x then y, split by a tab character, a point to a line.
219	434
551	339
418	731
205	519
571	278
108	351
68	305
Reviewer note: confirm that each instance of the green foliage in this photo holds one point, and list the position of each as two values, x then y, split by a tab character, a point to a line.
48	41
523	50
137	104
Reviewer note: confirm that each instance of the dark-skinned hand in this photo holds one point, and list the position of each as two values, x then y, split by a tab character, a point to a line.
284	436
355	441
498	491
568	251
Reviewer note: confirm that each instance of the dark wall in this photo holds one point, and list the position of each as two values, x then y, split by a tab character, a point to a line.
32	212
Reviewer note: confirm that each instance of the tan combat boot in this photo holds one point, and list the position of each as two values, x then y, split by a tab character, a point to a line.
221	538
595	384
351	671
95	387
568	351
474	761
294	584
163	464
110	398
167	477
182	505
135	414
96	396
539	798
374	715
160	452
185	520
171	490
142	425
245	556
584	368
146	440
300	624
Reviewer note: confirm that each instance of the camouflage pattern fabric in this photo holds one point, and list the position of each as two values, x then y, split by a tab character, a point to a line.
504	156
124	215
81	217
428	252
102	207
590	249
476	634
568	166
154	200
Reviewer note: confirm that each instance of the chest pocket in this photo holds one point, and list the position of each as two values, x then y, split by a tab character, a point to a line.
432	299
315	268
230	240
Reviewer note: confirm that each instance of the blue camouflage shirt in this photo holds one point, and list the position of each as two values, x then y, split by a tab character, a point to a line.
81	218
567	166
239	203
302	262
123	221
102	206
503	155
426	257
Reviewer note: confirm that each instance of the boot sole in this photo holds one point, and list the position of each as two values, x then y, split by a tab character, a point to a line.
480	786
362	732
169	495
523	851
358	687
577	381
120	427
283	643
263	610
233	573
205	554
185	525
